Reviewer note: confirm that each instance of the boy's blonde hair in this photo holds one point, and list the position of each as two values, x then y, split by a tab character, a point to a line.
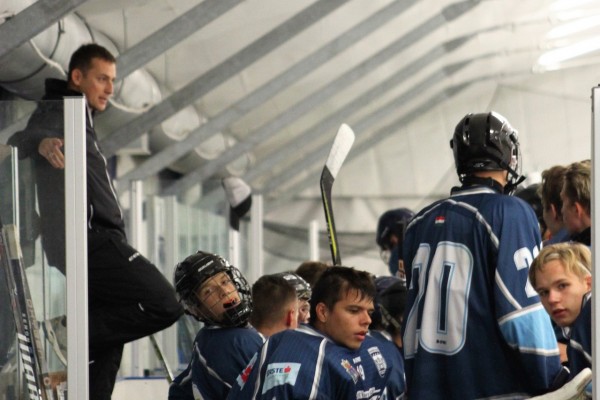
575	257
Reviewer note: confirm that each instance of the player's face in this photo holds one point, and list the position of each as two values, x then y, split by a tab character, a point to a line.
303	311
570	215
561	292
97	83
553	221
217	294
348	322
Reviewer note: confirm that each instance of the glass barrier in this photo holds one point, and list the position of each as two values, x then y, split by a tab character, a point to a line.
32	211
32	198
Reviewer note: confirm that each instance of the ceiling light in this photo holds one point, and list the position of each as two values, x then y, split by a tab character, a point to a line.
561	5
574	27
574	50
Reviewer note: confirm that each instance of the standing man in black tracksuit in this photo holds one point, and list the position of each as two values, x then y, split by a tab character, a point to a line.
129	298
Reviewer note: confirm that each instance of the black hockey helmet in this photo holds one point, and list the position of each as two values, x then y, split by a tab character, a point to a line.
392	302
303	290
532	196
392	222
486	142
381	284
197	269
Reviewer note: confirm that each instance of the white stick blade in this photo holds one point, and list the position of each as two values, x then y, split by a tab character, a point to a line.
339	150
572	390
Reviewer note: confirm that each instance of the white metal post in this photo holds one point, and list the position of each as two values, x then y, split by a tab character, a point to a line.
76	248
136	197
256	238
313	240
595	245
171	230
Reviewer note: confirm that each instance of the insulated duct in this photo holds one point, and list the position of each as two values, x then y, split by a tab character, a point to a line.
47	56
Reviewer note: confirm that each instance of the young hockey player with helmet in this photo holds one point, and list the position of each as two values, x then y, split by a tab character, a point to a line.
303	293
216	293
474	327
390	236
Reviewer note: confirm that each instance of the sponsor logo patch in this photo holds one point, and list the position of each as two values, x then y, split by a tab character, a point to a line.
243	377
350	370
370	394
279	374
378	360
439	220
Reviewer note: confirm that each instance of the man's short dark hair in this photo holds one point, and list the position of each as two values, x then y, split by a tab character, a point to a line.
552	183
82	57
270	295
311	270
337	281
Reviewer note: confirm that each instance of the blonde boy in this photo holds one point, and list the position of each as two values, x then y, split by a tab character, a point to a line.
562	276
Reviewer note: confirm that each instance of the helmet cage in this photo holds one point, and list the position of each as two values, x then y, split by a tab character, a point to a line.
198	269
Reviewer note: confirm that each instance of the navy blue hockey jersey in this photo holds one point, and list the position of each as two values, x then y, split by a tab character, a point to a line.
396	384
218	357
474	326
579	335
304	364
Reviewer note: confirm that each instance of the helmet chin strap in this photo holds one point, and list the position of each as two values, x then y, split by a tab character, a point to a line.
512	184
510	187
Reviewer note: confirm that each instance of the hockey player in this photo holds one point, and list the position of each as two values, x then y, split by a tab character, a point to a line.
275	305
390	290
332	357
576	201
217	294
562	276
549	191
390	236
303	293
474	327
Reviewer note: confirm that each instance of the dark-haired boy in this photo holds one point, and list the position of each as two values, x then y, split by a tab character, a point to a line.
332	356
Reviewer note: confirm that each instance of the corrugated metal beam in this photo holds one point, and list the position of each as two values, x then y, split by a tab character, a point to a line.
330	123
218	74
361	126
253	100
312	178
364	123
32	20
174	32
274	126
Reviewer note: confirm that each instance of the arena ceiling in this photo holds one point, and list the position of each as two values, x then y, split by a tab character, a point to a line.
258	88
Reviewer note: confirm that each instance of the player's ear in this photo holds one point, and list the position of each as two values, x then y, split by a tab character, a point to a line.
76	76
289	317
588	282
579	209
555	212
322	312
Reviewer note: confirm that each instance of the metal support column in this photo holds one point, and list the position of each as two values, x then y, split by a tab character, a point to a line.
256	239
76	248
595	236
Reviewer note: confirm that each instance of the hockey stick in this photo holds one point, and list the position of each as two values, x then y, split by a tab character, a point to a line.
572	390
339	150
28	337
161	358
